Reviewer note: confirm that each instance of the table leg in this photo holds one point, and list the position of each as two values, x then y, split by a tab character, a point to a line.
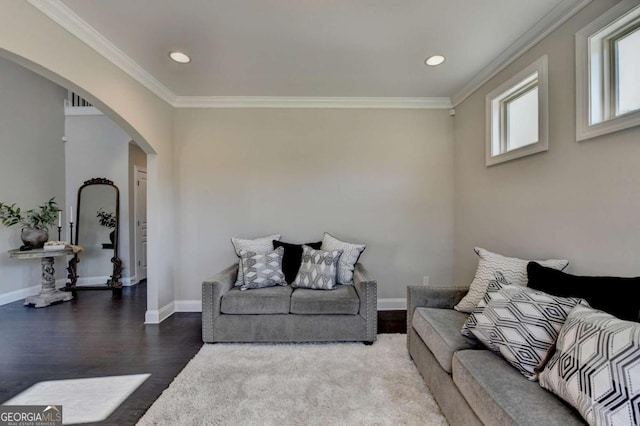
48	294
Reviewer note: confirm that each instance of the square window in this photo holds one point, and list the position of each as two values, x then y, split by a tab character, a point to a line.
517	114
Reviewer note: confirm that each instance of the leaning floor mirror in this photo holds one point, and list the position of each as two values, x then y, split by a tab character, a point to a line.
98	217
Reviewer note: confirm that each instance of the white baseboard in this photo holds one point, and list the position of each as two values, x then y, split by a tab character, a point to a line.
398	304
188	305
157	316
14	296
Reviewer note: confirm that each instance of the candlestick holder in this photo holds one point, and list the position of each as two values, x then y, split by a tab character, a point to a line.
71	233
59	232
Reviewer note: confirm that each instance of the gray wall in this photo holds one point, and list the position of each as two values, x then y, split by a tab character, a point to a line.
579	200
31	160
381	177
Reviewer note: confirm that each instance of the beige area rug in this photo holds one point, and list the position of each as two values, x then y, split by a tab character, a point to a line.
298	384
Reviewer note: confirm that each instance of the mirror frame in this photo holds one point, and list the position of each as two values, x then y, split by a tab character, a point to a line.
115	281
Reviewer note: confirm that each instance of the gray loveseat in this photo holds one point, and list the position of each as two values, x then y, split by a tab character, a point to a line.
285	314
472	385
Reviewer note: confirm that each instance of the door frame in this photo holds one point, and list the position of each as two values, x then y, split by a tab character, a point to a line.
137	169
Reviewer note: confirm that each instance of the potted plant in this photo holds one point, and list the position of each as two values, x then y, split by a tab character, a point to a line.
108	220
35	222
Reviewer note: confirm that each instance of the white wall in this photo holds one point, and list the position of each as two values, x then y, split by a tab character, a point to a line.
96	147
31	164
30	38
381	177
579	200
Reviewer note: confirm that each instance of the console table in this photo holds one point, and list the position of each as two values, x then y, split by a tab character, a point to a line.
48	294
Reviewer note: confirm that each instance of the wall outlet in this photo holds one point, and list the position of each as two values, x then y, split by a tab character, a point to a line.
425	281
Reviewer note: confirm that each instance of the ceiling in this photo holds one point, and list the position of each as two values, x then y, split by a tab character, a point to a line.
313	48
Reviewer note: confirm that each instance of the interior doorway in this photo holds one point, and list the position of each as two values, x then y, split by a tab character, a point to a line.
140	214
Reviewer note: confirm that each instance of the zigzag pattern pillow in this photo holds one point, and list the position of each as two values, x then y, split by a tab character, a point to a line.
596	367
519	323
318	269
512	268
262	269
351	254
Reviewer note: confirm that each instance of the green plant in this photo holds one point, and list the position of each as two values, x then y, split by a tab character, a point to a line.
41	218
106	219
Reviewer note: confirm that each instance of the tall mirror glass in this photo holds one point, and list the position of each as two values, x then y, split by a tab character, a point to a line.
98	265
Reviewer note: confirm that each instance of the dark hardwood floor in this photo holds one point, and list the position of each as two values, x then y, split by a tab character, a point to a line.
96	334
102	334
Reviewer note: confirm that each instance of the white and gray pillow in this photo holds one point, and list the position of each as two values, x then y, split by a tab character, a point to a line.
262	269
512	268
519	323
351	254
318	269
596	367
258	245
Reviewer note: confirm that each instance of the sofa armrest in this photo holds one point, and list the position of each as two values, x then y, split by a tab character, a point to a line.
429	297
367	290
212	291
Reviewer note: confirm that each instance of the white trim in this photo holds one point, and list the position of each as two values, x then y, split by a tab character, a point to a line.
398	304
157	316
556	17
309	102
585	130
71	111
16	295
137	169
188	305
71	22
492	123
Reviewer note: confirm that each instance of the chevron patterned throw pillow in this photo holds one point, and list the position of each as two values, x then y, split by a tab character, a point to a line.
512	268
596	367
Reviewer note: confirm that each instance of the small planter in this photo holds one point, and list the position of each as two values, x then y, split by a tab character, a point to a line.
34	238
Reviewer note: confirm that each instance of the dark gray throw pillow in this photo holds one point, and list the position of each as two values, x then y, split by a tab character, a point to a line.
618	296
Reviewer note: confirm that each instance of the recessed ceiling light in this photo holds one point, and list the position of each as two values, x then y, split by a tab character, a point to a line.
434	60
180	57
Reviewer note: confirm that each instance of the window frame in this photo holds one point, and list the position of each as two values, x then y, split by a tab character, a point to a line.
496	103
596	72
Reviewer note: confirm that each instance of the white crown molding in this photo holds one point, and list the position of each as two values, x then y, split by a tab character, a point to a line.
551	21
309	102
71	22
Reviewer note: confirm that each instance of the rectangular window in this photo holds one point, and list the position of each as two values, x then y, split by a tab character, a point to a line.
517	114
626	49
607	70
522	119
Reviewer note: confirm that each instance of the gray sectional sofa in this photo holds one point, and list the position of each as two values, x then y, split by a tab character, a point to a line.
285	314
472	385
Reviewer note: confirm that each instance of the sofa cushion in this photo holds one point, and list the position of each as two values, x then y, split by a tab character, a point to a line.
342	300
440	331
270	300
499	394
